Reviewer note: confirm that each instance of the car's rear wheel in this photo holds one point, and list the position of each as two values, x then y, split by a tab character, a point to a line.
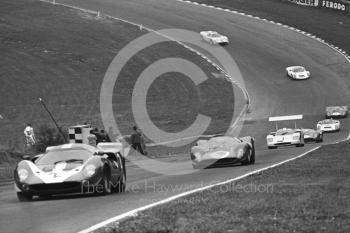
24	196
252	159
299	145
248	159
106	185
319	139
121	186
272	147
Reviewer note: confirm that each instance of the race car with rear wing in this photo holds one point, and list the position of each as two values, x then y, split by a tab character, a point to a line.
71	168
285	136
223	150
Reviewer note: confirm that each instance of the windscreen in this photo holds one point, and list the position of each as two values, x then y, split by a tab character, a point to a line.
284	132
68	156
299	69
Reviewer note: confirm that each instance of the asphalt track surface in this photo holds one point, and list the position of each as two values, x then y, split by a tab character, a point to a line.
262	51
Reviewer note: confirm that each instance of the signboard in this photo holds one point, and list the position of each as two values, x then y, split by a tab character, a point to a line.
306	2
334	5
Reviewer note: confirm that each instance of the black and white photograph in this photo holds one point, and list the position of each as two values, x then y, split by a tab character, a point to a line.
174	116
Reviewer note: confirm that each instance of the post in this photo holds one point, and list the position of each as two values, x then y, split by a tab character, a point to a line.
52	118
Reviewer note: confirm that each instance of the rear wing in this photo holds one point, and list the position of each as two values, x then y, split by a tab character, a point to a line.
285	118
110	147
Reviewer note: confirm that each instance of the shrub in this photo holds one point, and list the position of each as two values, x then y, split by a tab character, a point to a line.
47	136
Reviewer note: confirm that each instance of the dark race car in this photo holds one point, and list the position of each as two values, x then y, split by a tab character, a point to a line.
71	168
223	150
336	111
312	135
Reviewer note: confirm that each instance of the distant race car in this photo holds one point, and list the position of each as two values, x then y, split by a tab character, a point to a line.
336	111
312	135
71	168
297	72
285	136
223	150
328	125
213	37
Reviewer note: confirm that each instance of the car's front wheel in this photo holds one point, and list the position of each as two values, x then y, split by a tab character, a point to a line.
24	196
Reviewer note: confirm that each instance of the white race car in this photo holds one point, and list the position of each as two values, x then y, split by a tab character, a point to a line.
213	37
285	136
297	72
336	111
328	125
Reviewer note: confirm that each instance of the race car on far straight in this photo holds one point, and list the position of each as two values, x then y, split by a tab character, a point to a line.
223	150
328	125
71	168
285	136
297	72
214	38
312	135
336	111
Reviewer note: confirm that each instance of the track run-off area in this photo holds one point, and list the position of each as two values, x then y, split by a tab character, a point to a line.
262	50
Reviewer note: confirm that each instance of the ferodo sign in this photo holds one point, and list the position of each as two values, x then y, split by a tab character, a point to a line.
335	5
306	2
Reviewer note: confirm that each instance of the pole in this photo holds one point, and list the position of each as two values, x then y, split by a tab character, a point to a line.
52	118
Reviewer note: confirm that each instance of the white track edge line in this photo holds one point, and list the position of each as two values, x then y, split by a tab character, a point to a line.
172	198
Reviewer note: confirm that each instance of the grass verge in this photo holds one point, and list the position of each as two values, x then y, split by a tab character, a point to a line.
310	194
61	55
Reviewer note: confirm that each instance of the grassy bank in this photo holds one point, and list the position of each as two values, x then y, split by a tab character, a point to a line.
61	55
310	194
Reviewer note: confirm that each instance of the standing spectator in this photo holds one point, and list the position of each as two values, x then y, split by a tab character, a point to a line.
29	138
137	141
29	134
92	139
104	136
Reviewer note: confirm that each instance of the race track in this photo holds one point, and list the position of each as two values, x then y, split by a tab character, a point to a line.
262	51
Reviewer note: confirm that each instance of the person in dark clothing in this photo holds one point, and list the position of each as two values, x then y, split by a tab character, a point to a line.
104	136
137	141
99	137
